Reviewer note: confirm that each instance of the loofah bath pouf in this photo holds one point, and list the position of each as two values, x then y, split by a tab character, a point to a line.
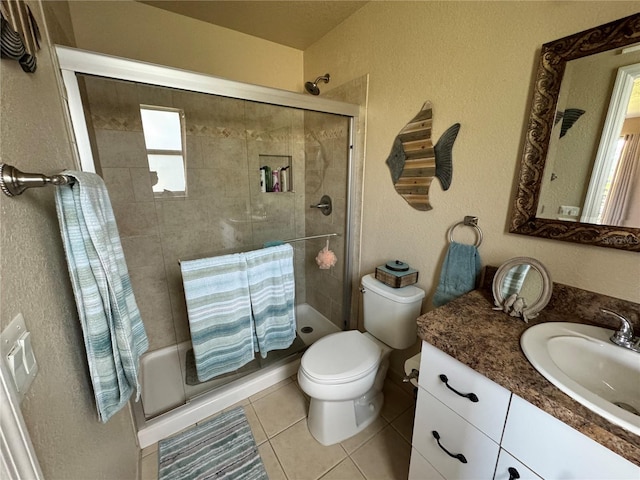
326	258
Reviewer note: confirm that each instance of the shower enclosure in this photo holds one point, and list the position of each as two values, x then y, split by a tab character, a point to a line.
197	167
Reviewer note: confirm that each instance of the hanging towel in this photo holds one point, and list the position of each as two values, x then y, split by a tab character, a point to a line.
459	274
217	293
114	335
272	290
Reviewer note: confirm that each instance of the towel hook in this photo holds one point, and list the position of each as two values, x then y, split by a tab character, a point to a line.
469	221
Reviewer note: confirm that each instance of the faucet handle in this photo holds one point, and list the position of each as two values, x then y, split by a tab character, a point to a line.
624	335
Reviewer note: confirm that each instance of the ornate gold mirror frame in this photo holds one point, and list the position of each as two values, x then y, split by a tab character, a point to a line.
553	59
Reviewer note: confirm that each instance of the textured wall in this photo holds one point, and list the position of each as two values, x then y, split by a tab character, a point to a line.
59	409
475	61
134	30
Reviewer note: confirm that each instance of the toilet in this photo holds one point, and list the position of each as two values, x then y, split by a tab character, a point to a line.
343	373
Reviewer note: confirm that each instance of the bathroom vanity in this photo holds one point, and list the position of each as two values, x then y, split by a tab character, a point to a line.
484	412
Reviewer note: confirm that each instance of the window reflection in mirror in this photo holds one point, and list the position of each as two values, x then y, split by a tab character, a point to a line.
164	139
616	200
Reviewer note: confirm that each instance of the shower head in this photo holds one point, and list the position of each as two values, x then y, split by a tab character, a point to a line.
312	88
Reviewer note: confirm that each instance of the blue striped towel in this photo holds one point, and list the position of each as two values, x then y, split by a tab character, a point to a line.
114	335
217	293
272	290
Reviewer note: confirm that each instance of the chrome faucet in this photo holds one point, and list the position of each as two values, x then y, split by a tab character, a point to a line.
624	336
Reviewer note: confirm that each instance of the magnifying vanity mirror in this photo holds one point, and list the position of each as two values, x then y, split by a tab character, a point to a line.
577	136
522	287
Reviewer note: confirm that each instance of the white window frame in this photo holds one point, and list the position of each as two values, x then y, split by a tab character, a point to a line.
182	152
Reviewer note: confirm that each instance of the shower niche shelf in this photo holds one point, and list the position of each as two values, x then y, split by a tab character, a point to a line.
276	174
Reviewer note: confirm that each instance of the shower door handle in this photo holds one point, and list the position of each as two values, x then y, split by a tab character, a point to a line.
324	205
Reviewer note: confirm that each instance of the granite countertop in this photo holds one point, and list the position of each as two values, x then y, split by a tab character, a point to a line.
488	341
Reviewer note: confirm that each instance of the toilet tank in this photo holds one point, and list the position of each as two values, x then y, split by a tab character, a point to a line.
390	313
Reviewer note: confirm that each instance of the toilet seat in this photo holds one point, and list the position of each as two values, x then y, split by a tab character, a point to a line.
341	357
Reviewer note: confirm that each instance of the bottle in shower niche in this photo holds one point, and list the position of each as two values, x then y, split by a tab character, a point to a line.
284	179
263	179
275	174
267	178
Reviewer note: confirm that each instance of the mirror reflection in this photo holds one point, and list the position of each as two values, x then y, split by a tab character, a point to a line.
595	201
521	287
592	173
523	281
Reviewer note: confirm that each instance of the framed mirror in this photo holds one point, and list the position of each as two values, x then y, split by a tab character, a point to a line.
538	162
522	287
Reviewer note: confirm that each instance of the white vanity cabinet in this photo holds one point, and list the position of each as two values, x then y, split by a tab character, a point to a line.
460	416
467	426
555	450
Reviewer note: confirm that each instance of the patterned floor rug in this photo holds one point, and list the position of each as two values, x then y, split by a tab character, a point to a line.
220	448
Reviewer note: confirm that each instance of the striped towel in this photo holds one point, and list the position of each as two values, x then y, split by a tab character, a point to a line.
217	293
514	279
114	335
272	289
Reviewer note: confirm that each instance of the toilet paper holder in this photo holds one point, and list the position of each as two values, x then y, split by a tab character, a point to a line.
411	376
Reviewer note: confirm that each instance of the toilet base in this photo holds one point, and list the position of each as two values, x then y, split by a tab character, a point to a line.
348	418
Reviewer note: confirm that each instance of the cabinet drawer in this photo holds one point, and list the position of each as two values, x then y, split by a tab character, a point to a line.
488	413
420	469
555	450
509	469
457	436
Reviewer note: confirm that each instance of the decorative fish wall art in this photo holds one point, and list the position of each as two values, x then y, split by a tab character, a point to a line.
414	161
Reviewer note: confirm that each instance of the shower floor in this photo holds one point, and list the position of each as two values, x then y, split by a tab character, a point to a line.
167	383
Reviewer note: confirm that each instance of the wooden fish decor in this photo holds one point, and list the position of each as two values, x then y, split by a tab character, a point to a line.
414	161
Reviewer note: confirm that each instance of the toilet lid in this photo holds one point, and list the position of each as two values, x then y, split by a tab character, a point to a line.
341	357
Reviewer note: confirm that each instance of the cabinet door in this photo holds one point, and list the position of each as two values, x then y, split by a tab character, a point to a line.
420	469
555	450
511	469
461	451
487	409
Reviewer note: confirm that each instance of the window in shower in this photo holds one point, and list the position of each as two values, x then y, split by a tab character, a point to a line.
164	131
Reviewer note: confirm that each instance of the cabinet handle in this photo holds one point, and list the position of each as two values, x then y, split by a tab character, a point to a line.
471	396
458	456
513	473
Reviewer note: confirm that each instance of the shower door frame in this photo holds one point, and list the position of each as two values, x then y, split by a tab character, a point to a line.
72	61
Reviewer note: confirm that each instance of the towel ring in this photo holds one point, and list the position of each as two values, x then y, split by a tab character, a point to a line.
468	221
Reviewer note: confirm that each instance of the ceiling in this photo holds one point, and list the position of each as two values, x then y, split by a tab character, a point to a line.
296	24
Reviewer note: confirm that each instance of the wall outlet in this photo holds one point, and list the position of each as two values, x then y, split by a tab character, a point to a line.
569	211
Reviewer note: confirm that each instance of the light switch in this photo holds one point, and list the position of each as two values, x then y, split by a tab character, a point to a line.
18	355
17	368
28	357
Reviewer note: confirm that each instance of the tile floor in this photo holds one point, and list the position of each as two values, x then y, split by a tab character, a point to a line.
277	417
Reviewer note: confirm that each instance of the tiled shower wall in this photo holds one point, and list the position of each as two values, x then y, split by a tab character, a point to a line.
327	155
224	210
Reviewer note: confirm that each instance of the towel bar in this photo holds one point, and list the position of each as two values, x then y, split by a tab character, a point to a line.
311	237
291	240
13	182
469	221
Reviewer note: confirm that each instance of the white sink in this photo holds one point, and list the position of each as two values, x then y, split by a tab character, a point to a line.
582	362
